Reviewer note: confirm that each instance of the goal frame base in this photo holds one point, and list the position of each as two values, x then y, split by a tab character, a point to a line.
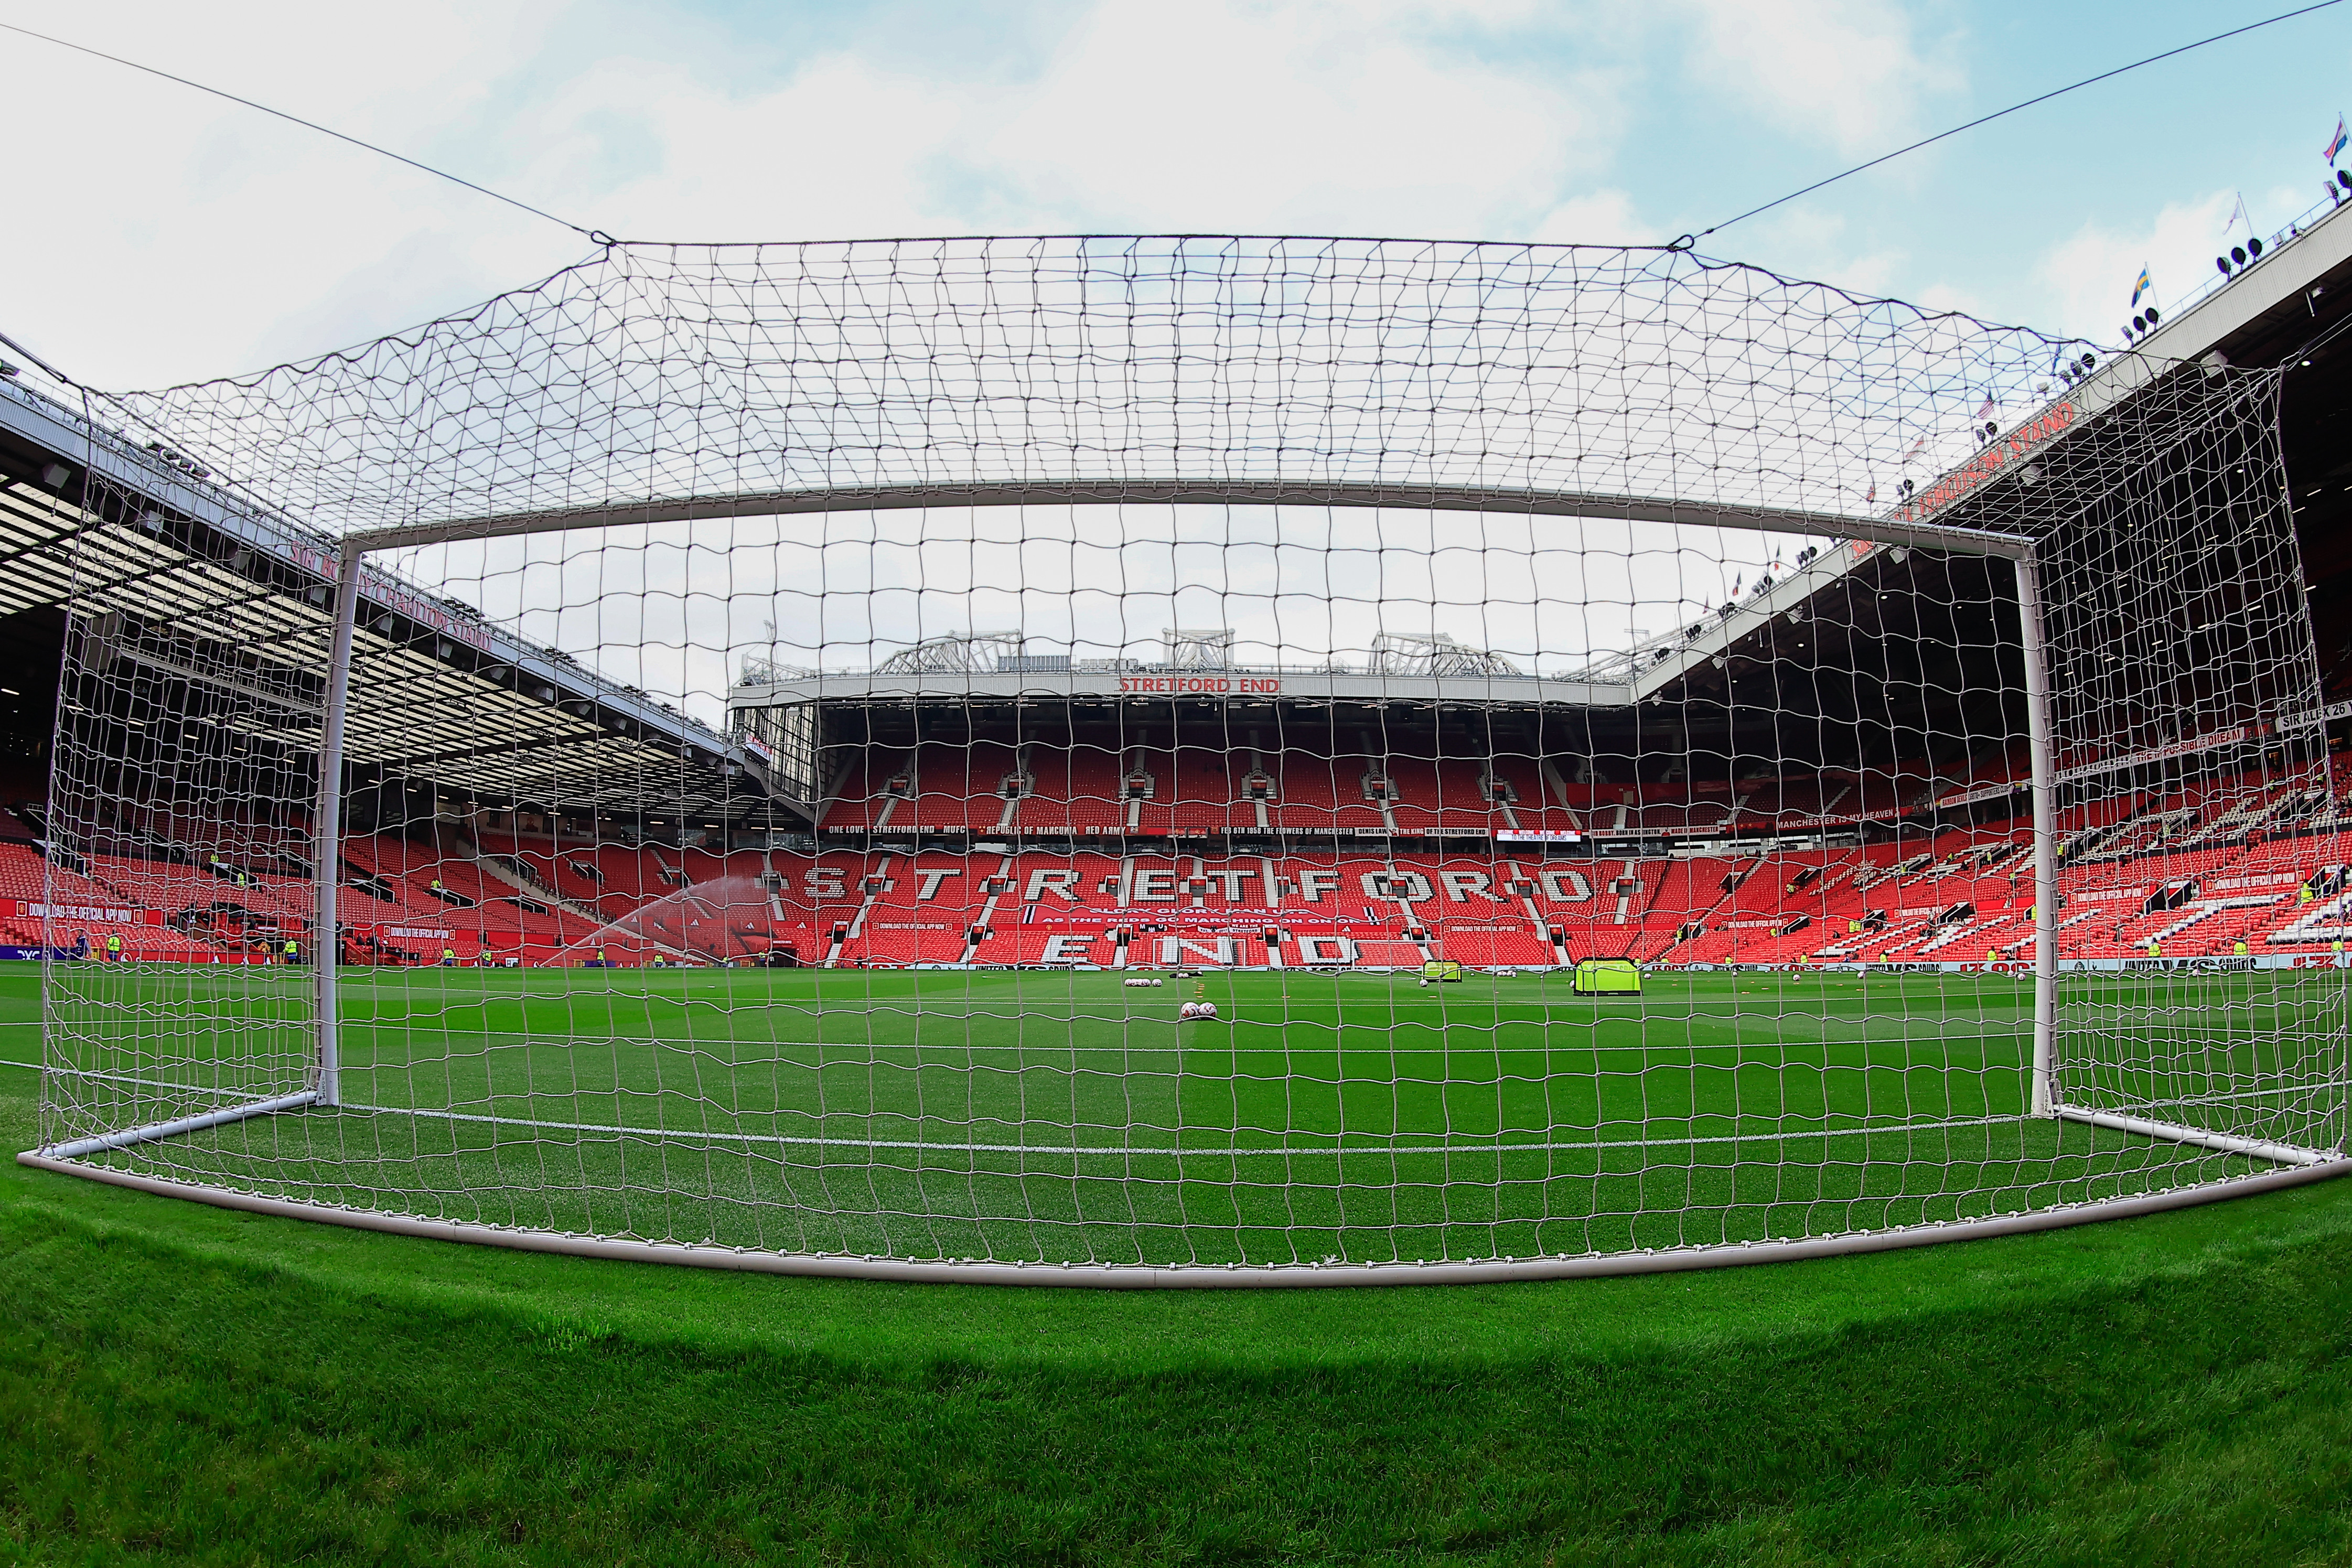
2179	1132
1214	1277
149	1133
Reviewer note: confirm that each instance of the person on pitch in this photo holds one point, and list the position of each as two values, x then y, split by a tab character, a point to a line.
293	951
448	958
114	947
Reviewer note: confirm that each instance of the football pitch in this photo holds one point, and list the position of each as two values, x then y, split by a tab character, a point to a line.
1067	1116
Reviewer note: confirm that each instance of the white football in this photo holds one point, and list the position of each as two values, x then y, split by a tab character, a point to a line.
1205	1009
1189	1010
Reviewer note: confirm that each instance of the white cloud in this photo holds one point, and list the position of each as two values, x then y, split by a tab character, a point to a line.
2086	278
214	240
844	149
184	236
1315	118
1603	218
1820	244
1850	73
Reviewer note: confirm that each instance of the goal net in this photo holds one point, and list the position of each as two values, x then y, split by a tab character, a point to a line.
957	756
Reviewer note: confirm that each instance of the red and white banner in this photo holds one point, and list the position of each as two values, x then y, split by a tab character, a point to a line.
1244	918
2281	880
94	913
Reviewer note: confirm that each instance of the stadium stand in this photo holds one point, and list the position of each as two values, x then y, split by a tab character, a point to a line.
1195	847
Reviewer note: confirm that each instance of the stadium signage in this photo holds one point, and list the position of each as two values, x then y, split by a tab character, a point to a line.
120	917
2326	715
2276	879
1205	685
1987	464
2190	747
1970	797
1247	918
384	592
1844	819
1538	836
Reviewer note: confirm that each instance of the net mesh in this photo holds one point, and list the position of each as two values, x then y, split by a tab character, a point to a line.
824	721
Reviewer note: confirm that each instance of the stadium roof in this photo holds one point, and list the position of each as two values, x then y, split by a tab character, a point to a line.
144	532
2287	310
89	518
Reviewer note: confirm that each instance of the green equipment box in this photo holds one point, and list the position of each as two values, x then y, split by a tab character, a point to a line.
1607	977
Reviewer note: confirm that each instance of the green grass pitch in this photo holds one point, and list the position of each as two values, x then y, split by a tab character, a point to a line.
1062	1116
182	1384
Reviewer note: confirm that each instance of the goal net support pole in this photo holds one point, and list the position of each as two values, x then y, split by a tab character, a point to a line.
2043	1096
328	857
2046	832
325	1076
154	1131
2222	1142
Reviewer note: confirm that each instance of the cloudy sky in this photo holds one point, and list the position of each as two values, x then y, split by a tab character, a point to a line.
163	235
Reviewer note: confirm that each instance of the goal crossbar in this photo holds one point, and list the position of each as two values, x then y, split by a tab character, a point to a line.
1202	492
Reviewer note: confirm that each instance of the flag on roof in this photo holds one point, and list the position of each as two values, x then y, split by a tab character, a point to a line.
2140	288
2336	142
1985	410
1873	495
1916	447
2237	216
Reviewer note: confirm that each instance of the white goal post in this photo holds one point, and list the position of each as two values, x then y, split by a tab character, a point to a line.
1896	745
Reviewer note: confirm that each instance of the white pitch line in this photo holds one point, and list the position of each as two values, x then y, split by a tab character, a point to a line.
713	1048
1129	1150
